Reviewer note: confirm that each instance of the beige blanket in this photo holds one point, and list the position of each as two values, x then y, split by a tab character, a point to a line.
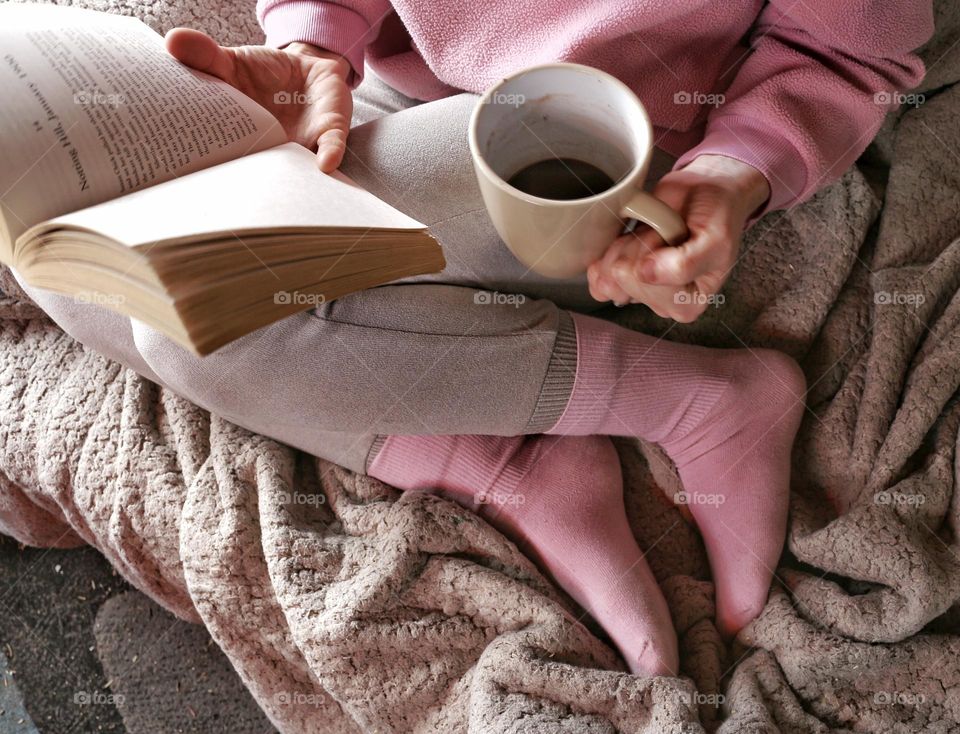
346	606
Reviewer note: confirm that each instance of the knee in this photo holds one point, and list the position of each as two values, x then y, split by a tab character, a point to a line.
96	327
84	322
199	379
271	373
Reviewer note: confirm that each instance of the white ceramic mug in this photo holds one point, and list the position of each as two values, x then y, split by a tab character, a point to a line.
566	111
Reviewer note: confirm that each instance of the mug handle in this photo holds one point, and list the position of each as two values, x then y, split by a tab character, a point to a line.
658	216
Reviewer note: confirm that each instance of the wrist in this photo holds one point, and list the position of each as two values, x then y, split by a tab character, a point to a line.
301	48
307	49
748	182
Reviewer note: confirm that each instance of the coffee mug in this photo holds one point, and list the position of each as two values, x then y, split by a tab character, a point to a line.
561	153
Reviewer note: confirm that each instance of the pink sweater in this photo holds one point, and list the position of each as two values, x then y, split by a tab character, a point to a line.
799	103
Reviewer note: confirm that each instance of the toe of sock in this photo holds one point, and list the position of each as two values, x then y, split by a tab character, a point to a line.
734	615
656	658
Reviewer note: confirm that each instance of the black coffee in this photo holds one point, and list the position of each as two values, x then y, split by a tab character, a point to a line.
561	178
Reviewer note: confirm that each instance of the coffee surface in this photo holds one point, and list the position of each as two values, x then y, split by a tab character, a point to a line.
561	178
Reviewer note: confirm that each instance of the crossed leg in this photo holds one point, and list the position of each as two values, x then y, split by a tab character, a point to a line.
427	373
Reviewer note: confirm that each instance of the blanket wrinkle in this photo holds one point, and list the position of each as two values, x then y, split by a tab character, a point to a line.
346	606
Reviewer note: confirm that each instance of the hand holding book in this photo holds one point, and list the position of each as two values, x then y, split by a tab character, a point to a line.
302	86
171	194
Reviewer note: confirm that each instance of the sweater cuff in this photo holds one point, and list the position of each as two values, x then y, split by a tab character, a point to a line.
774	156
326	25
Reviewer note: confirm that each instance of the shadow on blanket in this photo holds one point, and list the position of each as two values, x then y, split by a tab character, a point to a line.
348	607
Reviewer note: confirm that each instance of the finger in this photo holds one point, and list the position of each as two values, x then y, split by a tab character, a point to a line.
668	302
603	286
658	311
618	295
597	272
686	316
331	147
634	251
593	284
198	51
658	298
624	268
614	252
646	240
681	265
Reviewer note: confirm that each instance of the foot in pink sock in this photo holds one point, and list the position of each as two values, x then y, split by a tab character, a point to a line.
735	469
727	418
561	500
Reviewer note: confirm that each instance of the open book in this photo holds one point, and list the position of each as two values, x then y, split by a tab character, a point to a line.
129	180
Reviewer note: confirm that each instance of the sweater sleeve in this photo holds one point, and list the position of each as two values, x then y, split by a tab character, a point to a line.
344	27
814	89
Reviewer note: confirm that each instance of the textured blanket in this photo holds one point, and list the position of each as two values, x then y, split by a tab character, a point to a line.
346	606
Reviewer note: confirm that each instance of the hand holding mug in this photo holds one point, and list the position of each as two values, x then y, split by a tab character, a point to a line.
561	152
716	195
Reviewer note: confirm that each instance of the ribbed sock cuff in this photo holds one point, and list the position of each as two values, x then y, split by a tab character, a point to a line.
632	384
374	451
596	371
558	382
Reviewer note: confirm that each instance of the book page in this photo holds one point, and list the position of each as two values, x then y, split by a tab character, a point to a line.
94	108
276	189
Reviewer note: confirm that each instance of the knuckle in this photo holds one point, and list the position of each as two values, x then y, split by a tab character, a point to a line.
678	268
334	137
670	190
719	233
332	120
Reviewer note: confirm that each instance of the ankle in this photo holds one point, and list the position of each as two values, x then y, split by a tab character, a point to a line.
762	390
573	481
632	384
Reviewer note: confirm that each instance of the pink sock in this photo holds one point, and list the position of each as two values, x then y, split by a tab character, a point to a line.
561	500
727	418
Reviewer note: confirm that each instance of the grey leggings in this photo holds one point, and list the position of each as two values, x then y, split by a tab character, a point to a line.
459	352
